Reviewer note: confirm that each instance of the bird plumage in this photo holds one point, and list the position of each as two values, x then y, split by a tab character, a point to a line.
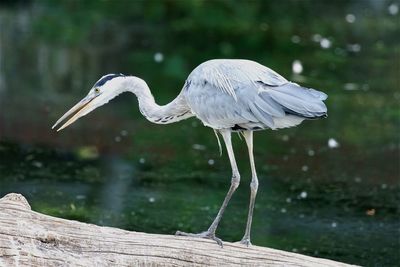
242	94
107	78
227	95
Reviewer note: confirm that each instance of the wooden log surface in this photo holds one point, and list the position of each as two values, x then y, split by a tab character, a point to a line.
28	238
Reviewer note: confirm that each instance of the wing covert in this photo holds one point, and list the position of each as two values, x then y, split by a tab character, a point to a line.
245	94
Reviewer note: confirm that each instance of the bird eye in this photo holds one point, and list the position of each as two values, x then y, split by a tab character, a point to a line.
96	90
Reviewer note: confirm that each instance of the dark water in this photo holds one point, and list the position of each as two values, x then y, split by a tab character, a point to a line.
328	188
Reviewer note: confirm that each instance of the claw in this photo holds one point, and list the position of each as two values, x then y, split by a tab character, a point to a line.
206	234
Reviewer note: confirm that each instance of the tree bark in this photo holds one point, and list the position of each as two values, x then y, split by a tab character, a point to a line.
28	238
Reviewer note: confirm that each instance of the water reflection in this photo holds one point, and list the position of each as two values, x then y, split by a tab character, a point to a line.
116	189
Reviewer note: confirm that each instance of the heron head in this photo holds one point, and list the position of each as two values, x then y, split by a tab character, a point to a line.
105	89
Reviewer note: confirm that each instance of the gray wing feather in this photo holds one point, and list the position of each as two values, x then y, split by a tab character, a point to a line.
226	93
261	115
302	101
228	74
246	114
298	91
270	106
215	108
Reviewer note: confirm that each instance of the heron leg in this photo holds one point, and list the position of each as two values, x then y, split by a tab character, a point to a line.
248	136
210	233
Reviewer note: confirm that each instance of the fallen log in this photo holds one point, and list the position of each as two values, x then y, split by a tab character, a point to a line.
28	238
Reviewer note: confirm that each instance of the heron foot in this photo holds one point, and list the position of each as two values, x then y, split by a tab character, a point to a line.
206	234
245	241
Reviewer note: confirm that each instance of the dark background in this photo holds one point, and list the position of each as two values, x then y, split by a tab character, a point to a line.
328	188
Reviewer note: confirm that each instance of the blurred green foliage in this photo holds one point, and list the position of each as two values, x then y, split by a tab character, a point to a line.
190	32
153	179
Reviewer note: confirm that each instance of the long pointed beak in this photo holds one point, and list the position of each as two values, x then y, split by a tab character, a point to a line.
79	109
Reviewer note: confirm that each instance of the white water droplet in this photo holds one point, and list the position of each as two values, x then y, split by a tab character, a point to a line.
297	67
37	164
350	86
333	224
205	208
211	162
303	194
283	210
311	152
117	139
304	168
325	43
350	18
285	137
393	9
152	199
142	161
199	147
332	143
353	48
158	57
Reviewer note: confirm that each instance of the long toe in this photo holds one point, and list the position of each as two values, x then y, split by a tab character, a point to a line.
216	239
179	233
206	234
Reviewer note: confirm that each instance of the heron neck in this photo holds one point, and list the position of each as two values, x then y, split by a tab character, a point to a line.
174	111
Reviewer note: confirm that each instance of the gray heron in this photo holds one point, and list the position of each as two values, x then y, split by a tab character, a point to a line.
227	95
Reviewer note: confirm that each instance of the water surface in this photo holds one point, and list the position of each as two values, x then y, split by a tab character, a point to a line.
328	188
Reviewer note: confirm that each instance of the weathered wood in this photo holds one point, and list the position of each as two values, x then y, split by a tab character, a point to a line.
28	238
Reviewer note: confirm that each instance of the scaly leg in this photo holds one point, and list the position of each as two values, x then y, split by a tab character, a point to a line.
248	136
210	233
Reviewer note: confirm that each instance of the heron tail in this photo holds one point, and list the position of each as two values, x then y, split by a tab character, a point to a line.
300	101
